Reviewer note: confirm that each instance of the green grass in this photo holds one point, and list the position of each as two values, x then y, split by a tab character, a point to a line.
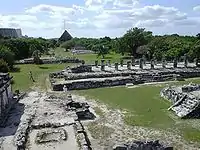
146	108
89	58
40	72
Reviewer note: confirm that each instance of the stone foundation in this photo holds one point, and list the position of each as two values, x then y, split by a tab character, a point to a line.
185	100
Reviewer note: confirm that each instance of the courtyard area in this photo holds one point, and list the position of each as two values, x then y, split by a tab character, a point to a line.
124	113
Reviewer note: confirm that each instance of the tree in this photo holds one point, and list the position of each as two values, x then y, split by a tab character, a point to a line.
68	44
135	38
102	50
7	55
3	66
36	57
198	36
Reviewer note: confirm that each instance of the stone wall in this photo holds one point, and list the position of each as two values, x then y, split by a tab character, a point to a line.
9	32
51	61
105	82
5	95
184	103
142	145
81	69
85	75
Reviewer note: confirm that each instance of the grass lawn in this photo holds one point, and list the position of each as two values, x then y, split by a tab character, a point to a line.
146	108
89	58
40	72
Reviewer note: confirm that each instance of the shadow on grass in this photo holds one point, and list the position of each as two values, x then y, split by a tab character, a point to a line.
15	69
107	57
42	67
126	57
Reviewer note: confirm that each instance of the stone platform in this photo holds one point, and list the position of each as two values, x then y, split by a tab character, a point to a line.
90	76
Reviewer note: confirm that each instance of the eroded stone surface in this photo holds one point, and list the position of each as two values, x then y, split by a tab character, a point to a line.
185	100
117	75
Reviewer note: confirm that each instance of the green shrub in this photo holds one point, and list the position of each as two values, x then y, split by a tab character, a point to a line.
3	66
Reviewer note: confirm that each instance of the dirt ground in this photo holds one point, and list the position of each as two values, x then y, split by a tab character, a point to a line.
107	130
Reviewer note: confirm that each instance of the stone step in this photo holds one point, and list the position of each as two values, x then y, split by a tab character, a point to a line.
188	102
185	106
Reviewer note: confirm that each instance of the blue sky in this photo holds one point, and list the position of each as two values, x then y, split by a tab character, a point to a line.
97	18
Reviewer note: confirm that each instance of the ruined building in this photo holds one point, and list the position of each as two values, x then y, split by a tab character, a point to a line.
10	32
65	36
5	94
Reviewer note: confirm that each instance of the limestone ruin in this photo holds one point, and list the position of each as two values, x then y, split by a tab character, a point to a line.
6	95
185	100
48	122
93	76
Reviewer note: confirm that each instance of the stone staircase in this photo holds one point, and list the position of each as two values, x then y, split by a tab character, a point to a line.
184	104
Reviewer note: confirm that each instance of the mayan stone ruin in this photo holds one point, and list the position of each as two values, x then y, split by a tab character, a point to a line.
185	100
101	74
6	96
45	121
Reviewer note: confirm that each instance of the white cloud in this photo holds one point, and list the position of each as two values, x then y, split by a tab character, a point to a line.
196	8
156	12
56	12
148	16
152	23
49	9
93	2
187	22
126	3
99	16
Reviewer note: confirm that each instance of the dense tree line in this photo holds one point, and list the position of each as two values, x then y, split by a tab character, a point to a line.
12	49
138	42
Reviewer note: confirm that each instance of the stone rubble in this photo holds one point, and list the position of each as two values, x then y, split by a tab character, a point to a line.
46	120
140	145
185	100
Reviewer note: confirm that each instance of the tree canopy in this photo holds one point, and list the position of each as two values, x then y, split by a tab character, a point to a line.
136	42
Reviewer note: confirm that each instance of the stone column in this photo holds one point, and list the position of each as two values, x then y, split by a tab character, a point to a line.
102	61
144	59
116	66
154	58
121	62
102	65
175	63
141	64
155	62
185	61
152	64
83	62
164	63
1	102
96	63
133	61
109	63
129	65
196	60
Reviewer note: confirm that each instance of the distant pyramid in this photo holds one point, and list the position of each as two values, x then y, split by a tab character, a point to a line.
65	36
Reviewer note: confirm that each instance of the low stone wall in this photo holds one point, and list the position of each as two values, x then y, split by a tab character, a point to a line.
51	61
76	76
141	145
81	69
83	72
106	82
